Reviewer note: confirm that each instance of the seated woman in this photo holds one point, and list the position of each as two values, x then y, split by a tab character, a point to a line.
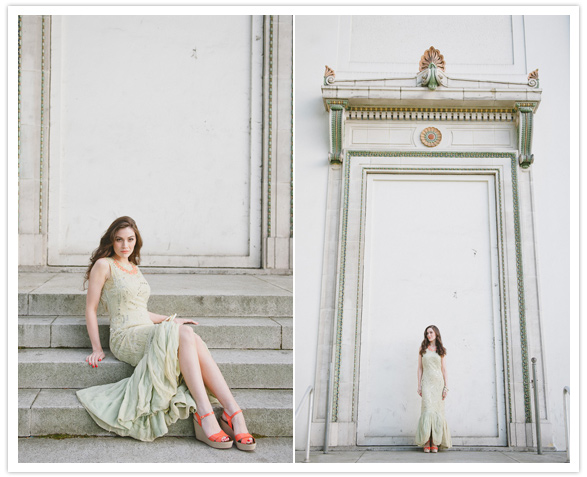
174	368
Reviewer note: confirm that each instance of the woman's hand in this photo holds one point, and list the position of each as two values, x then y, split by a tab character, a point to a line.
420	391
183	321
444	392
96	356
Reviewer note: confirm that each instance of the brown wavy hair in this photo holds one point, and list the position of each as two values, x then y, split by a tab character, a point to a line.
106	249
440	349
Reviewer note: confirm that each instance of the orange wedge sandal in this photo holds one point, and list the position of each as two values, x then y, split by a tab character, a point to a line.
238	438
215	440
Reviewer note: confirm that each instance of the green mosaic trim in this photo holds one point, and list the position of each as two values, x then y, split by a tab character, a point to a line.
342	261
356	364
504	301
337	108
519	269
521	300
19	104
42	139
270	127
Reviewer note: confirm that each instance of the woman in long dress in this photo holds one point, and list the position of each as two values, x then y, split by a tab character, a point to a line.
174	369
433	431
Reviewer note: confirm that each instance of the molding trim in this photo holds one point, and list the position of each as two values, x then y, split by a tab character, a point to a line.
291	172
519	268
19	106
42	136
270	127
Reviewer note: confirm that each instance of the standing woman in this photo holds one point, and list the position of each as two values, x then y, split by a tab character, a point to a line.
432	429
174	368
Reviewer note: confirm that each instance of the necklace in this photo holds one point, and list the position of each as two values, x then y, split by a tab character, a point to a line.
431	348
133	271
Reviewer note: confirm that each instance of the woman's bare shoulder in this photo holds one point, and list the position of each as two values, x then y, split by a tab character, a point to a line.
102	266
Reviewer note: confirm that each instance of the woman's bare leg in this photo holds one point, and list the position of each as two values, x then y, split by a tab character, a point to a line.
211	377
217	384
189	366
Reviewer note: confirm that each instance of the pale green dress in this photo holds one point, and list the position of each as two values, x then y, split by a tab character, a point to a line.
432	419
155	396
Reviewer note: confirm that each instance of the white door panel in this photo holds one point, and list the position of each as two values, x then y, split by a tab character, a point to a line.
159	118
430	258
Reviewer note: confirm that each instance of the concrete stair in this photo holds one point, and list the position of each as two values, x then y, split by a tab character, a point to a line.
246	320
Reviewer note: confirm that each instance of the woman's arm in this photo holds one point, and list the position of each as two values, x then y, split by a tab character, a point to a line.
98	276
155	318
419	374
443	365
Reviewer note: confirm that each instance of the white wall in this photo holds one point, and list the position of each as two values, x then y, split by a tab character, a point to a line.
547	48
314	49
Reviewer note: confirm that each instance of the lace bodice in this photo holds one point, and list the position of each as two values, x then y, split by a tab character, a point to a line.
125	296
432	381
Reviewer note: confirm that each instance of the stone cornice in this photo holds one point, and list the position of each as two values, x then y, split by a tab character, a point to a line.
374	95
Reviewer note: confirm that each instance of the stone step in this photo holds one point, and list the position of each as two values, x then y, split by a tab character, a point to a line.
61	294
168	451
217	332
66	368
57	411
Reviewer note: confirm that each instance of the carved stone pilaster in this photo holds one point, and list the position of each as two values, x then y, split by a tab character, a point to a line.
336	109
525	119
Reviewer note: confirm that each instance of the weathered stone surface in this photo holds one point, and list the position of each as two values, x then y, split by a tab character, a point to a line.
217	332
166	450
26	397
71	332
66	368
58	411
185	294
184	305
35	331
286	332
23	303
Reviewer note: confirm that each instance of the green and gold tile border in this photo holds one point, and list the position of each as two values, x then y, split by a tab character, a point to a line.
519	267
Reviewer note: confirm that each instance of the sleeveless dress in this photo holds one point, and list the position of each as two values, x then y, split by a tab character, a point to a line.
145	404
432	419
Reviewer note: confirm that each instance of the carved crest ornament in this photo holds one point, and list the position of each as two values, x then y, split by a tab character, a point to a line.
432	64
